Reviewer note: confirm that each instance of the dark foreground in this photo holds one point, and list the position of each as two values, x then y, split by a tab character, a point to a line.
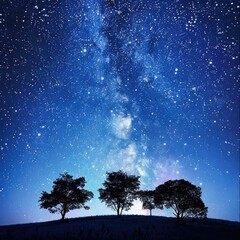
124	228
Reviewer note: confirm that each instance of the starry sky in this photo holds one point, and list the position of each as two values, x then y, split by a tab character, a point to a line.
149	87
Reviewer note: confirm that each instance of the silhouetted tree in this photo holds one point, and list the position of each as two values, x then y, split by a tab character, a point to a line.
67	194
120	190
147	198
183	197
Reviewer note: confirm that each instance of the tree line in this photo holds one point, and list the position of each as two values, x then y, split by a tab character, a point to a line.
119	192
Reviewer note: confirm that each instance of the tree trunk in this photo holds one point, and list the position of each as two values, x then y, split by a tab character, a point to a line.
118	212
150	212
63	215
179	218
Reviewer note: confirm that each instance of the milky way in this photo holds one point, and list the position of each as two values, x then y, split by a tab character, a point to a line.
150	87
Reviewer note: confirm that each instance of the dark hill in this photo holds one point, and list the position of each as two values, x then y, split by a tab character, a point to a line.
124	228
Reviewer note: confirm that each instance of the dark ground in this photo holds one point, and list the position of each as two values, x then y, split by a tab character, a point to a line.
124	228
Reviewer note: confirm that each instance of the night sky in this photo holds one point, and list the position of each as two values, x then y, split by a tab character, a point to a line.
149	87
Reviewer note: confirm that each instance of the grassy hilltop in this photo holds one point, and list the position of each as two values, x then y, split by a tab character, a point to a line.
124	228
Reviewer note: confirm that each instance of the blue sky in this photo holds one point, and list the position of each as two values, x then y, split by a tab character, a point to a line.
93	86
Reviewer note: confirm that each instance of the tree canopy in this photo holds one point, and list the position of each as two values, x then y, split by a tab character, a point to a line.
66	194
183	197
147	198
120	190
